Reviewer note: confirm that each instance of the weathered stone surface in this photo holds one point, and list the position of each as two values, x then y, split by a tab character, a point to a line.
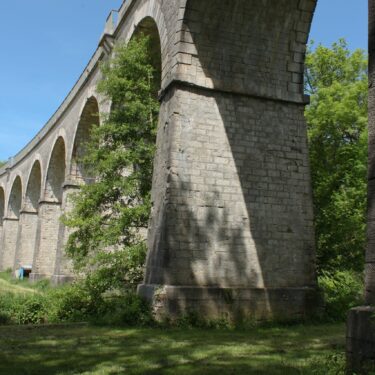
10	233
360	323
47	239
361	340
237	206
234	303
28	226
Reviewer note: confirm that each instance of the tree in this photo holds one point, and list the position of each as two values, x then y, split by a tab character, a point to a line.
336	79
110	215
2	163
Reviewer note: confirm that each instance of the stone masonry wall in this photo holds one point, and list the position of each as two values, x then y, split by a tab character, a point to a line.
27	238
1	242
10	233
237	208
48	231
63	265
245	46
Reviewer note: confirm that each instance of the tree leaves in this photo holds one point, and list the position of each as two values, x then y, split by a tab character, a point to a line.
110	216
336	79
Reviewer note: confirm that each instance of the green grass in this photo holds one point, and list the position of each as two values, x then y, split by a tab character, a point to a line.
78	349
8	284
9	287
84	349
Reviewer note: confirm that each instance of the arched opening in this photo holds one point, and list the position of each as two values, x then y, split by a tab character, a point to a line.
149	28
33	189
49	212
15	199
2	205
29	221
56	172
89	119
11	224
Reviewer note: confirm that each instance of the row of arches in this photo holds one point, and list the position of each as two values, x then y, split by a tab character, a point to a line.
56	172
30	212
31	231
31	207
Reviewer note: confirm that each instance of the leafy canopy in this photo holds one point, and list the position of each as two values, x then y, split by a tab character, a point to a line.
336	79
110	216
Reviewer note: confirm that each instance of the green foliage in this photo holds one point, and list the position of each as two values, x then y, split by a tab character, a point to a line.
193	319
333	364
74	303
342	290
83	349
71	303
77	303
110	216
2	163
23	309
336	79
125	310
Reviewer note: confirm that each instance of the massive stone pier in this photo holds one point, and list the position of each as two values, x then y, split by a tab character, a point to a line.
231	230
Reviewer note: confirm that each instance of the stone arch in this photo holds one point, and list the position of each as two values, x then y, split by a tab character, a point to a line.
56	172
151	12
33	188
148	26
267	62
2	205
15	199
89	118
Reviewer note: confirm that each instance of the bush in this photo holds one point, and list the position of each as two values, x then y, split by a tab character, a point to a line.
79	302
334	364
71	303
33	310
23	309
342	290
86	300
128	310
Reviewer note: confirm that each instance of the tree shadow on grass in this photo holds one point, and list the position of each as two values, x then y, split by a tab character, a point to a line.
95	350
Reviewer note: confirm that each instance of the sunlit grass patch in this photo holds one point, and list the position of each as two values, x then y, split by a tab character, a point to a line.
81	349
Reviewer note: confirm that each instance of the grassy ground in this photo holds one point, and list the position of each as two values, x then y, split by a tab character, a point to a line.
101	350
83	349
8	284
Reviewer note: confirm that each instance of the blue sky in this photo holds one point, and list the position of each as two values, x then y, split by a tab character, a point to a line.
47	43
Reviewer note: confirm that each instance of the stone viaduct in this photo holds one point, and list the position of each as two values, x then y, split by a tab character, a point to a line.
232	224
231	229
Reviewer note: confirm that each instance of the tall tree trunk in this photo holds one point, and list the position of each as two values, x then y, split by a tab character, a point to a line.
370	251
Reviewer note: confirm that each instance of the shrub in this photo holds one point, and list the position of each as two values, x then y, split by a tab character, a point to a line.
82	302
23	309
71	303
333	364
32	310
128	310
342	290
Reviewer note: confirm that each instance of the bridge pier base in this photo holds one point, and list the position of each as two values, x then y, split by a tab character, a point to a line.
10	234
361	320
26	239
284	304
63	272
47	240
231	231
360	340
